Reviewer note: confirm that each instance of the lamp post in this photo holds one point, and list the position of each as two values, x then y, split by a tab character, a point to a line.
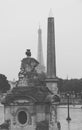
68	118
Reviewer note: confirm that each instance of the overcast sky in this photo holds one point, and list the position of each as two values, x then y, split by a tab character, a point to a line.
19	22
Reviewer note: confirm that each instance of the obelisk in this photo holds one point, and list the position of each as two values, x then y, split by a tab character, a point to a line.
52	80
51	56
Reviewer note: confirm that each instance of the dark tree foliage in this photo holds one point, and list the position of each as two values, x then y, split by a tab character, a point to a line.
72	85
4	85
60	84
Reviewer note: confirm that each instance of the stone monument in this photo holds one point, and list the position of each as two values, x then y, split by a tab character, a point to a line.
28	105
51	80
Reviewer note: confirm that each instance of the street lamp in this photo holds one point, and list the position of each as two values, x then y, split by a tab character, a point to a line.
68	118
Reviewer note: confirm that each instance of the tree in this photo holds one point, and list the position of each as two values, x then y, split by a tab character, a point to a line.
72	85
4	85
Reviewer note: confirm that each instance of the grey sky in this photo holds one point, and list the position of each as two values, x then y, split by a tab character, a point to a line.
19	21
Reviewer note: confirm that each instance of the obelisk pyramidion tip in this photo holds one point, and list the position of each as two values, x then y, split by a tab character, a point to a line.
50	13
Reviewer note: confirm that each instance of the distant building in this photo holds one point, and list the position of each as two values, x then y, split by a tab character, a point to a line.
41	67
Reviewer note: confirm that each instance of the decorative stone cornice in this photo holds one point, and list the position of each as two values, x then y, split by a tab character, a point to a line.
31	85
